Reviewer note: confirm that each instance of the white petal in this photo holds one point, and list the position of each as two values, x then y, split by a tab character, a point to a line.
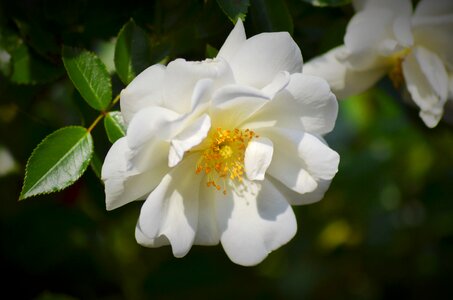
343	79
233	42
122	186
378	17
188	138
7	162
433	25
427	82
438	39
279	82
359	81
149	123
171	210
151	155
229	92
114	166
301	160
434	71
258	157
232	91
364	33
233	104
329	67
202	94
145	90
292	173
122	190
321	161
253	222
143	240
433	8
181	77
207	230
319	107
388	47
295	198
399	7
370	30
154	125
306	104
403	31
263	56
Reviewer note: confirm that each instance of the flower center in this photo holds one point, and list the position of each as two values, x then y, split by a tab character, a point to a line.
224	157
396	73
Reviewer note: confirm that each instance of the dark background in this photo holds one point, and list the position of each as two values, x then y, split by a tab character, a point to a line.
383	231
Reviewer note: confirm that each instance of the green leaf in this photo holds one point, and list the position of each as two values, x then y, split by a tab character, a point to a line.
211	52
160	53
132	52
114	126
234	9
27	68
271	16
323	3
58	161
89	75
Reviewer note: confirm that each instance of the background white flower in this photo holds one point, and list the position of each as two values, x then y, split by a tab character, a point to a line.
7	162
387	37
221	148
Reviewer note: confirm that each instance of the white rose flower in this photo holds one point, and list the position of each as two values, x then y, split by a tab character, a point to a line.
221	149
386	37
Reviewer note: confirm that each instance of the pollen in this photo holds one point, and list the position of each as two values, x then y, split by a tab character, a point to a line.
396	72
223	158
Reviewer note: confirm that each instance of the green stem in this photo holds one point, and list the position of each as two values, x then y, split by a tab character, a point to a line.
96	121
114	102
103	113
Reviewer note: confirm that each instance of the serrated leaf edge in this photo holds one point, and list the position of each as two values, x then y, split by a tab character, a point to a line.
241	16
103	67
22	196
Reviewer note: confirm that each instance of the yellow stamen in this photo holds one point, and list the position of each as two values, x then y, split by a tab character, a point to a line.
224	157
396	73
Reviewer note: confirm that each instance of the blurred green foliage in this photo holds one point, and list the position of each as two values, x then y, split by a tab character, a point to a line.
383	231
